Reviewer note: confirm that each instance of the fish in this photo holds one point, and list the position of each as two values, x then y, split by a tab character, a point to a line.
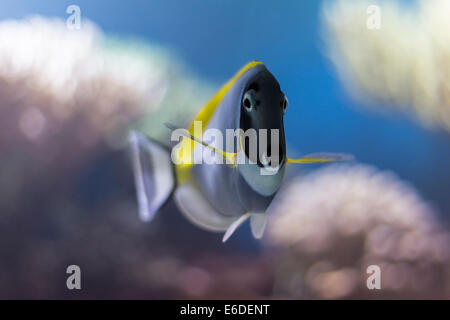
219	196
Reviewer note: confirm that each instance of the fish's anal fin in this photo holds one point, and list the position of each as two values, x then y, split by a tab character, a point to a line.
258	223
232	228
197	209
230	157
322	157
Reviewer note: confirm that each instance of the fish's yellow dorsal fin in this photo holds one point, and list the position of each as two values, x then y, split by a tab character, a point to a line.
206	112
208	109
321	157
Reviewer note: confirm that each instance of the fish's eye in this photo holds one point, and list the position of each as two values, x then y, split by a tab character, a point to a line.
248	101
284	104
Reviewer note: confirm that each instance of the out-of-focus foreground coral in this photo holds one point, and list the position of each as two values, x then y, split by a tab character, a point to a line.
67	196
328	227
404	63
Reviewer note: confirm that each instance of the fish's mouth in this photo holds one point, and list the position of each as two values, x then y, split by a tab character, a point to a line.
268	162
264	180
264	159
267	165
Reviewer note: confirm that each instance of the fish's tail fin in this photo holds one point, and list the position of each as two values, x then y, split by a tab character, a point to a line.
153	174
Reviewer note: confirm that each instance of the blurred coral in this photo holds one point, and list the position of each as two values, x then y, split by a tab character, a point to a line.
66	193
63	74
405	62
64	92
330	225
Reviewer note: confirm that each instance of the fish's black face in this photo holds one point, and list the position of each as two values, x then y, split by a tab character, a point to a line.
263	105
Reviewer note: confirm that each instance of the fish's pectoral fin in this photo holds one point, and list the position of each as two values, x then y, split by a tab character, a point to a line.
230	157
258	223
232	228
322	157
